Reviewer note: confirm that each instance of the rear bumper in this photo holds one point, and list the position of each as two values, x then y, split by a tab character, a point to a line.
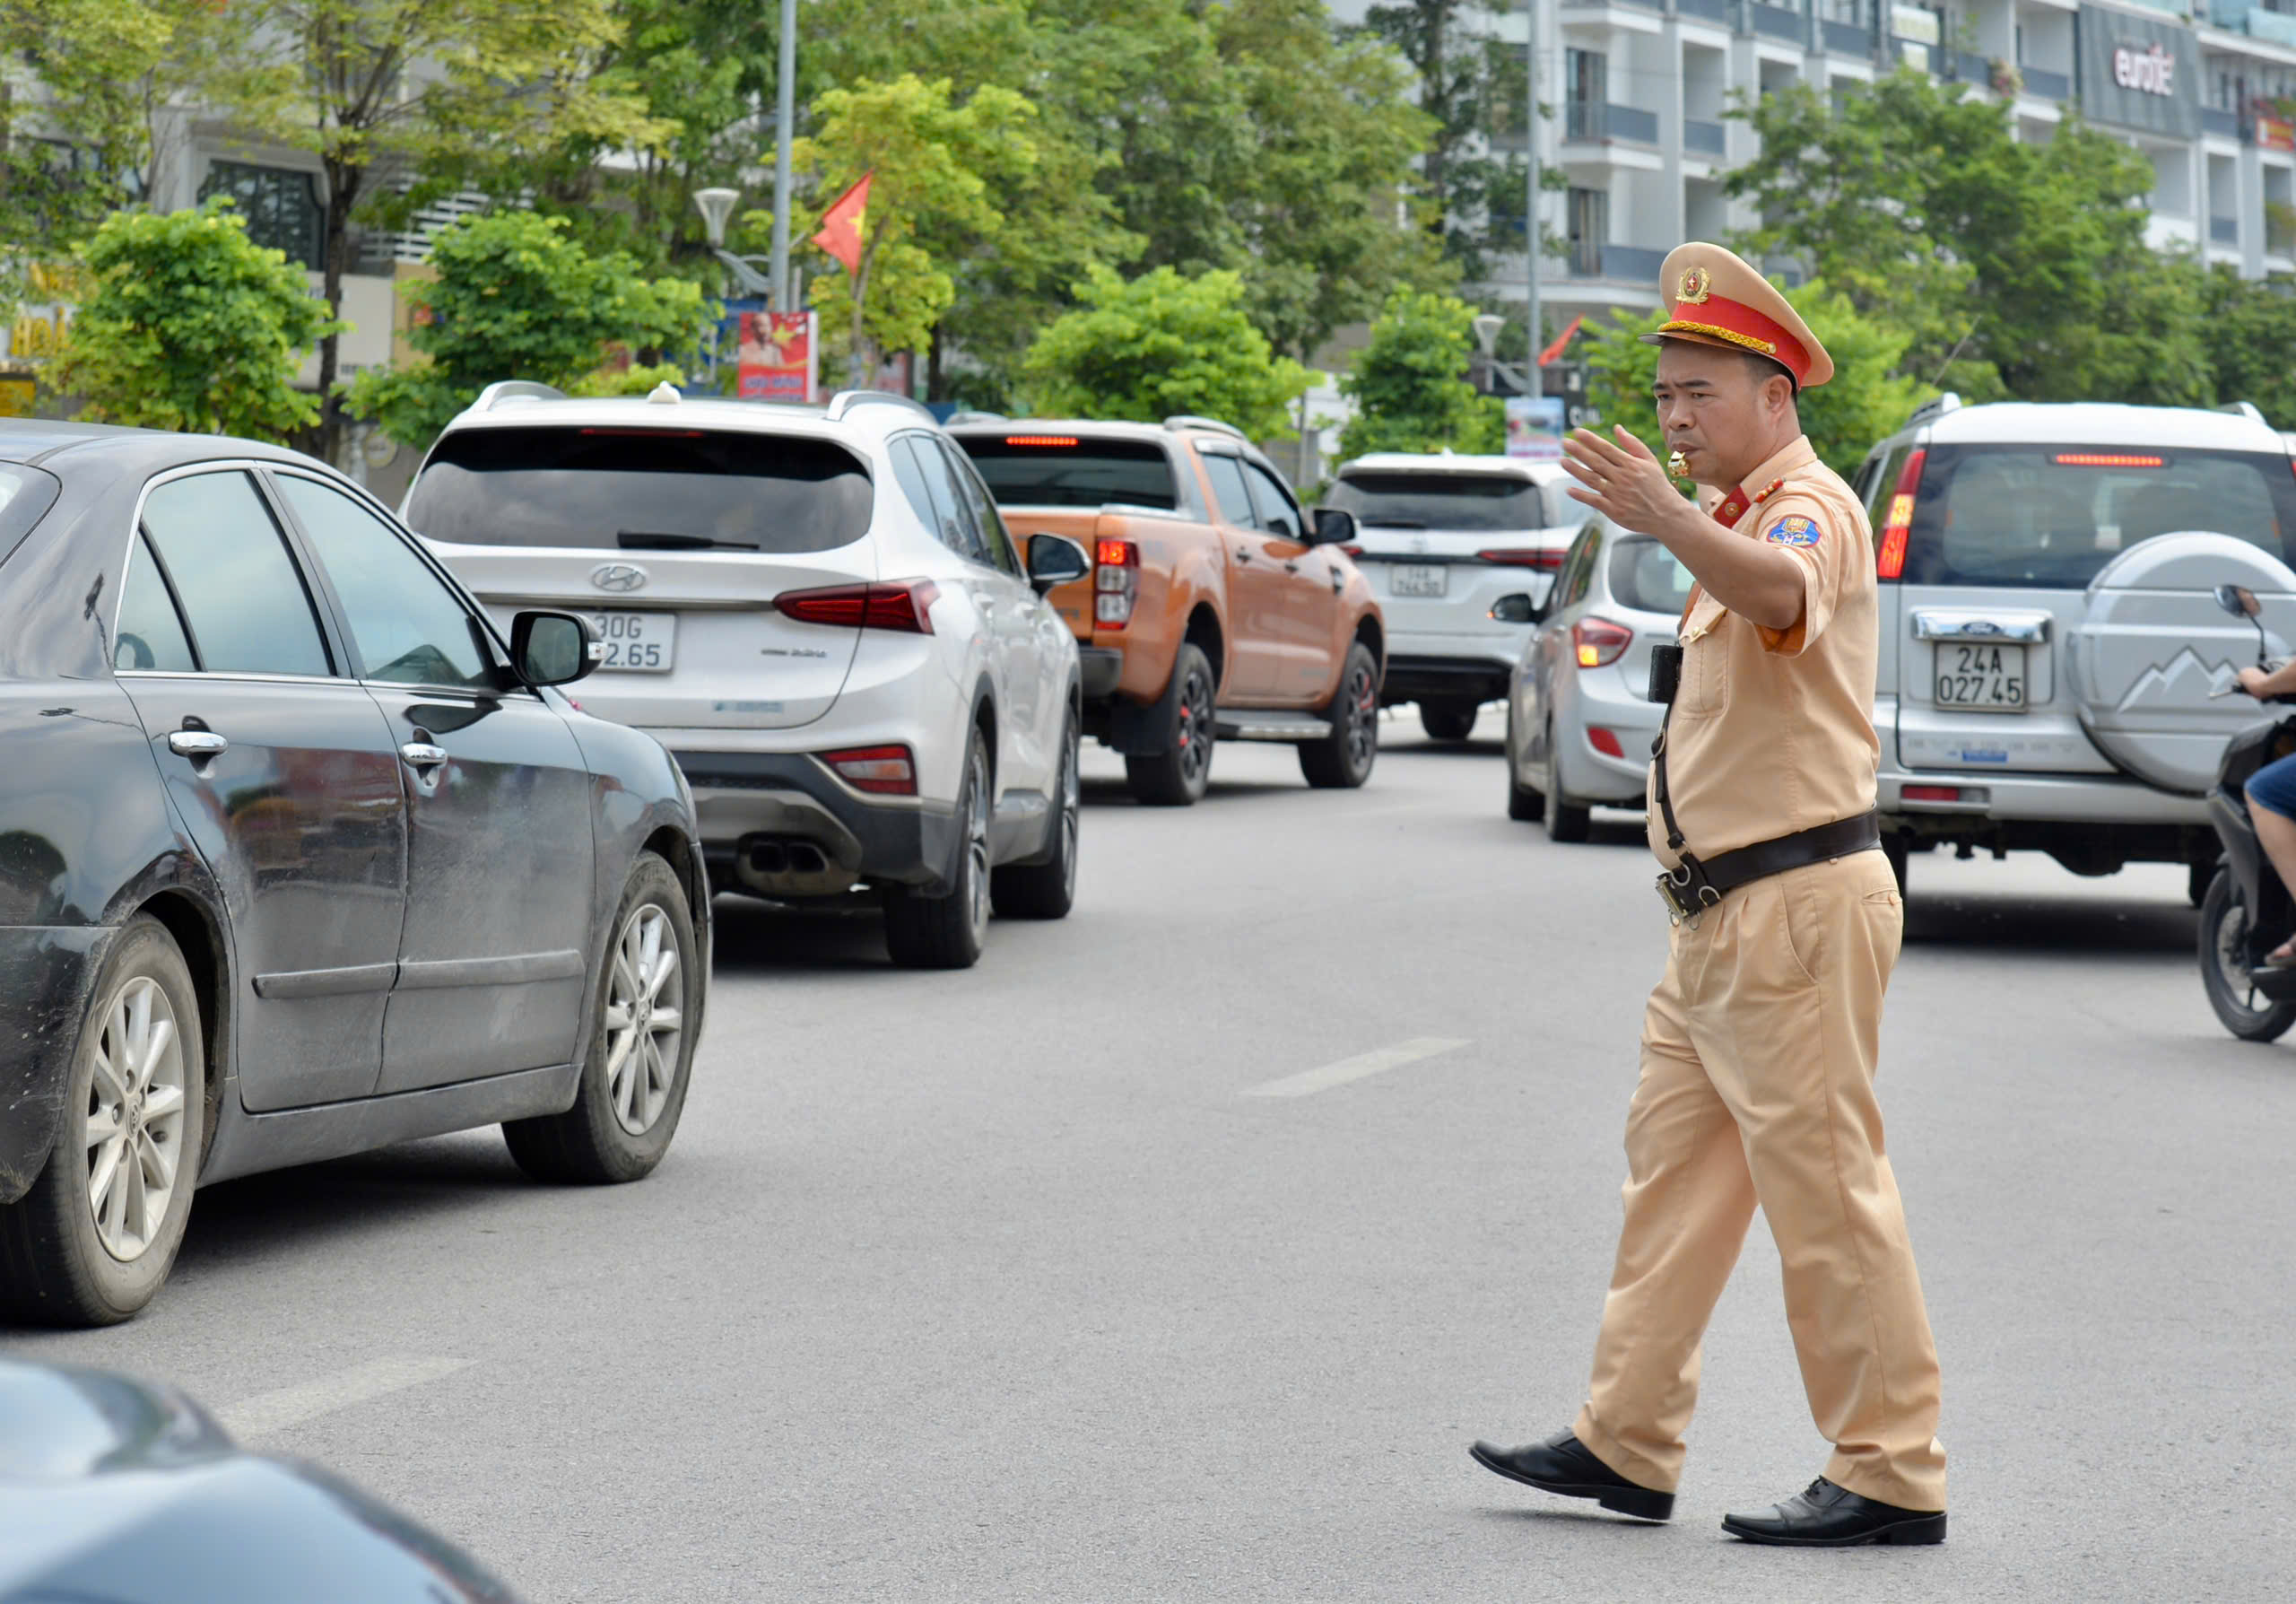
780	824
50	969
2065	799
1098	667
1601	698
1413	672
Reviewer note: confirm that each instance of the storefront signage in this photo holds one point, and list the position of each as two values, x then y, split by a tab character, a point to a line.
2273	133
2138	72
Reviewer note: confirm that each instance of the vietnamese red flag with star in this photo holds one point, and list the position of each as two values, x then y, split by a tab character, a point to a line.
840	231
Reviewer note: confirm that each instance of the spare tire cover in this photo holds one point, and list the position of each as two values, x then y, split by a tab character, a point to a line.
2152	643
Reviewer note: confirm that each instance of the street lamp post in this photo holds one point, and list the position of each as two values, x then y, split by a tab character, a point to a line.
1533	336
715	206
785	94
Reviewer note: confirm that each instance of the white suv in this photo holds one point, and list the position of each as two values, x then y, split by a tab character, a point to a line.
2049	637
820	614
1459	550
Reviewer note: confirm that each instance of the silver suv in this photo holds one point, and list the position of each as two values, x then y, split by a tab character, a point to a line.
2048	637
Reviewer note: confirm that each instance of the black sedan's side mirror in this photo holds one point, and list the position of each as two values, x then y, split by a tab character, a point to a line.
554	649
1056	560
1331	526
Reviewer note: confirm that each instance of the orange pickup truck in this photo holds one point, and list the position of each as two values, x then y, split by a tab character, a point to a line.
1216	610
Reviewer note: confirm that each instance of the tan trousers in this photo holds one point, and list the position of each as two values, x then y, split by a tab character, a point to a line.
1757	1057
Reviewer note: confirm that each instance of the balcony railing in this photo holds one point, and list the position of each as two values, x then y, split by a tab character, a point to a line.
2223	230
1710	11
2216	119
1597	119
1848	38
1628	263
2041	83
1775	22
1707	139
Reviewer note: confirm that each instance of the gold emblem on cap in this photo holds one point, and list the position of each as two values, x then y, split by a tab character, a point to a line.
1696	285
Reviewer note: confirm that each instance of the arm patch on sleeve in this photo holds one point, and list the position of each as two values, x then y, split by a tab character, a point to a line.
1795	530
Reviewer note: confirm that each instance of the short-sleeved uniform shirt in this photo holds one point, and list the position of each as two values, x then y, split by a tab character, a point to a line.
1772	731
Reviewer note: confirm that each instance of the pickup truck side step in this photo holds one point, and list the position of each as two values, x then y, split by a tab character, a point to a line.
1272	726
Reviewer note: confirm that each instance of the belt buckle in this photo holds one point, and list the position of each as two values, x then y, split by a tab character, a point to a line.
1686	877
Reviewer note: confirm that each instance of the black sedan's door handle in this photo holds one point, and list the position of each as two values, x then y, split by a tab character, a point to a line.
197	745
423	754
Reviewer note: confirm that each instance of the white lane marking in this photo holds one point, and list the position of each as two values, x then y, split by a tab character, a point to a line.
275	1411
1308	1081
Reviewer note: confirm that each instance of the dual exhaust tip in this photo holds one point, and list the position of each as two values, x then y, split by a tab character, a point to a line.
771	858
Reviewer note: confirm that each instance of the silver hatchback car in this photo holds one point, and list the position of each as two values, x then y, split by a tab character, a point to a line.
1580	718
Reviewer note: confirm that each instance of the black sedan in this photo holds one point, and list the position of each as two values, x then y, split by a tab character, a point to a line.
299	857
116	1491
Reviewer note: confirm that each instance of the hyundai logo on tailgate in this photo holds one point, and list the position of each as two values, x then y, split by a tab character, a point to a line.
618	577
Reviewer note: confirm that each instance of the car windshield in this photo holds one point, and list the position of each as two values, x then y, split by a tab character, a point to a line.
2055	515
641	489
1473	503
1067	470
1648	577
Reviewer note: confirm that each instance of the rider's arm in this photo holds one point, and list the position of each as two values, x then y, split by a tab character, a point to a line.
2261	683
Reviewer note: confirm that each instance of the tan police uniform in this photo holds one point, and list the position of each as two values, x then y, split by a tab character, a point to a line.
1758	1047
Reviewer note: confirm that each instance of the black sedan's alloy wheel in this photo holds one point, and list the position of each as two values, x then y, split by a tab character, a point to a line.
641	1045
92	1242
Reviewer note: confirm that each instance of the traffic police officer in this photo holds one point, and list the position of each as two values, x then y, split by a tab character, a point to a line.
1759	1045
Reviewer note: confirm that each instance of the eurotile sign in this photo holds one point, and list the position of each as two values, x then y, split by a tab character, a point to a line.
2139	72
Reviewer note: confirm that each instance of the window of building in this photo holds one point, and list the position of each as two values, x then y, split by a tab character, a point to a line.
1590	226
281	207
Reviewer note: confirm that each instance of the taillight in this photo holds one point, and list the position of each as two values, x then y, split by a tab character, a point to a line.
1605	741
1931	793
886	771
1599	642
1897	529
1116	582
1548	561
905	604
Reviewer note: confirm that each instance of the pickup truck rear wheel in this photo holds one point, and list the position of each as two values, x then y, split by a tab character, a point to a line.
1179	775
1343	759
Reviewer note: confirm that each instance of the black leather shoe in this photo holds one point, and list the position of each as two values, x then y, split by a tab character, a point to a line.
1563	1464
1825	1516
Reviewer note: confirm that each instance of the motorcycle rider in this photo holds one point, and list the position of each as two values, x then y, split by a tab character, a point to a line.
2272	798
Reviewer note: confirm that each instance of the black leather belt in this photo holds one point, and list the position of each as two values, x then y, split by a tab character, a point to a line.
1693	886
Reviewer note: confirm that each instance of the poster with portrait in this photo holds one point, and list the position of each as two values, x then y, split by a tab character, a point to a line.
776	357
1535	428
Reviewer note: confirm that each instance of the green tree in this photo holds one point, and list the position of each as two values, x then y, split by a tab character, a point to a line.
192	327
1866	399
515	298
939	169
1159	345
415	84
2014	268
1471	84
1409	383
2249	325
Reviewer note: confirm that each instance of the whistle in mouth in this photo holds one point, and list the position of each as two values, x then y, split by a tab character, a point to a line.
1677	467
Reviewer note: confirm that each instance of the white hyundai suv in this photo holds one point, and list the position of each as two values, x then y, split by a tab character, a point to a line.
821	615
1459	551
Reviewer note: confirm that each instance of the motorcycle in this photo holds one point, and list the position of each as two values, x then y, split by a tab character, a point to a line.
2246	911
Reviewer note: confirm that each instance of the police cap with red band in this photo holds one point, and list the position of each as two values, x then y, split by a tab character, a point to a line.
1713	298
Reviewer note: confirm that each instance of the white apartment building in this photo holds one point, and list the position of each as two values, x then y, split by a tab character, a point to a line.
1638	88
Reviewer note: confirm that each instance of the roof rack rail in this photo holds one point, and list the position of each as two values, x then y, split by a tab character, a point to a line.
841	405
2244	409
972	415
1188	420
504	390
1930	411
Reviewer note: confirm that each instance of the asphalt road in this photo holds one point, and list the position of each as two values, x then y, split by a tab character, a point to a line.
1006	1284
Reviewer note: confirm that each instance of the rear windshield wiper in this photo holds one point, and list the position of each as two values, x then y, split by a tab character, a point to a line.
656	540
